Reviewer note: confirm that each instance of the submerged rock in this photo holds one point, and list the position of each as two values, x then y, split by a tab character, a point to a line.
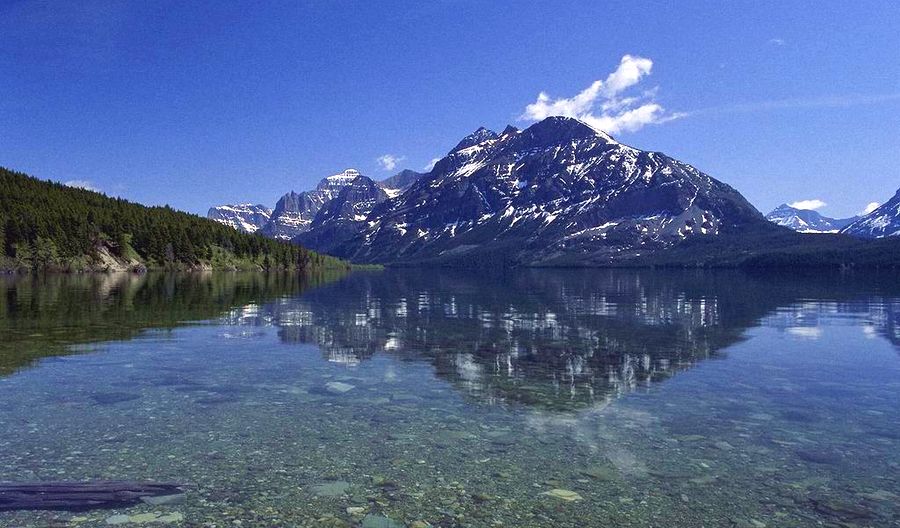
161	500
145	518
818	456
840	508
109	398
335	488
330	521
563	494
380	521
338	387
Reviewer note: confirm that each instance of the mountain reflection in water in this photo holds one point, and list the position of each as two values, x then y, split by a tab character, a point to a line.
554	339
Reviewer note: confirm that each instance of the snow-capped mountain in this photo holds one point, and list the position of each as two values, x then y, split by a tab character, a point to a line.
807	220
295	212
880	223
344	216
555	191
248	218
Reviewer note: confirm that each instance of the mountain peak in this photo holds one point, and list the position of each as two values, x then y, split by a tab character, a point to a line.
338	180
555	128
480	135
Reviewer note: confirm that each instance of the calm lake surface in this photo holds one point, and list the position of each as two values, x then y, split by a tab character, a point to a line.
536	398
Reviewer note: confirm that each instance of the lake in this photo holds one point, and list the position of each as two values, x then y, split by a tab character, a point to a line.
405	397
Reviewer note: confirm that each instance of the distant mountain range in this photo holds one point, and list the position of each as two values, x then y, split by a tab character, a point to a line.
880	223
556	193
807	220
295	213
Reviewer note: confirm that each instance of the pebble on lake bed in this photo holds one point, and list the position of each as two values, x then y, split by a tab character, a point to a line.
563	494
338	387
143	518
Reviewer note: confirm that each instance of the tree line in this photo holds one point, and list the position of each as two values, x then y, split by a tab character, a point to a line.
48	225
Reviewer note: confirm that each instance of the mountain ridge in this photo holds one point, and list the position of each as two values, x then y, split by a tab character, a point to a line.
883	222
562	193
807	220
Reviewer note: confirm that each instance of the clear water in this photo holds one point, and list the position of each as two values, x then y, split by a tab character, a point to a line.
536	398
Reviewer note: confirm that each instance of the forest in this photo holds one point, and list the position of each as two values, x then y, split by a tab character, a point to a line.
45	225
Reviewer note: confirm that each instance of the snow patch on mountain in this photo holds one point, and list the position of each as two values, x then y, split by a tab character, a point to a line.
245	217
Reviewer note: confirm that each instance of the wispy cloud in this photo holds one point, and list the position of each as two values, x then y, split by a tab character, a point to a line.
777	42
871	207
829	101
812	205
602	104
431	163
389	162
82	184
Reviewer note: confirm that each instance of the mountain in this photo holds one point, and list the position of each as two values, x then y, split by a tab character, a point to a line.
559	191
806	220
247	218
295	212
343	217
48	226
880	223
399	182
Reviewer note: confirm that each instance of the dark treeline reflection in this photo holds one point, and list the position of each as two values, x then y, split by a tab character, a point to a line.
561	339
42	315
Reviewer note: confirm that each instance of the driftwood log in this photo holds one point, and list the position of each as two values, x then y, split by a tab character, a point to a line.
74	496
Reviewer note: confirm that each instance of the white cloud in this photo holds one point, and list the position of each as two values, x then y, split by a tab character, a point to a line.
777	42
812	205
871	207
82	184
389	161
431	163
600	104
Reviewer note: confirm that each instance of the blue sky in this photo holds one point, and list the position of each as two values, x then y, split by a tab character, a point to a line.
195	103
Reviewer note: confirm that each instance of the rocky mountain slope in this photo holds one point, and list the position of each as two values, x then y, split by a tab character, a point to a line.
399	182
806	220
882	222
343	217
295	212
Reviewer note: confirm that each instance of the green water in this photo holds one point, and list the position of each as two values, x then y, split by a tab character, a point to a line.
535	398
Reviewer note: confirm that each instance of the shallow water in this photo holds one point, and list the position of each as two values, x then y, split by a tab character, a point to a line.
536	398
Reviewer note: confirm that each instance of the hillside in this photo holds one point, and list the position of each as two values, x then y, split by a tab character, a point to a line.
48	226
